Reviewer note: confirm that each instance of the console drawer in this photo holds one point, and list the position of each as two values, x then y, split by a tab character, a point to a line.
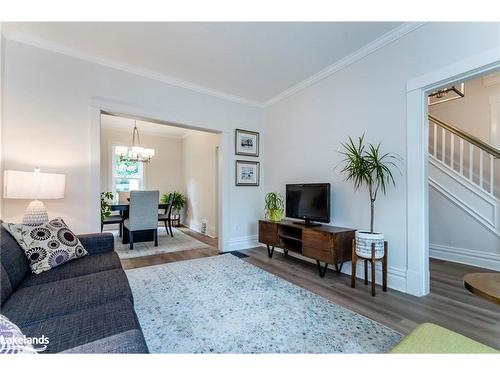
268	233
323	254
317	239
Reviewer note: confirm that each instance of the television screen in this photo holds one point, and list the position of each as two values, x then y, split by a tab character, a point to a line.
310	202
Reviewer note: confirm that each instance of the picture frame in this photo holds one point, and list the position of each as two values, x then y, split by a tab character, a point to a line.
246	143
247	173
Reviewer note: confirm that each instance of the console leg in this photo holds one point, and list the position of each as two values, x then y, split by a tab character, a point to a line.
270	251
322	270
286	252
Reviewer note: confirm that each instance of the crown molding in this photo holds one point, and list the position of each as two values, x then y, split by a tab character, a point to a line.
146	73
361	53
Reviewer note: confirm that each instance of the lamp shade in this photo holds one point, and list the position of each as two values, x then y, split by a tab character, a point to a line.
33	185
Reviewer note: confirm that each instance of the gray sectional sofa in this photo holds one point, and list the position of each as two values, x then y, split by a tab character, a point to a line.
83	306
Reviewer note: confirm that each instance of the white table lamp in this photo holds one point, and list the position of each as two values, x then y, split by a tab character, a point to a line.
34	185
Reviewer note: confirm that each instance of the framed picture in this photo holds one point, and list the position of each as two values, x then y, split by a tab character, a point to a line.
247	173
246	143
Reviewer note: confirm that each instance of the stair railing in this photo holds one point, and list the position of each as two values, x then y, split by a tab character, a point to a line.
443	139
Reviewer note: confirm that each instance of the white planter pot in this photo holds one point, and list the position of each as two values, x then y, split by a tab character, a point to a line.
364	242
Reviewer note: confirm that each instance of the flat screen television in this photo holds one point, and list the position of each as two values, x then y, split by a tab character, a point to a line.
310	202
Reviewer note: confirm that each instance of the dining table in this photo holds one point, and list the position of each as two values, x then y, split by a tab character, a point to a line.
139	236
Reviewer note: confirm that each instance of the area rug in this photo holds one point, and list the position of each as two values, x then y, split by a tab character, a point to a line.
222	304
166	244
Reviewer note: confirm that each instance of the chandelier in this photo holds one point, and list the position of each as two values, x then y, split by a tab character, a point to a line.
136	153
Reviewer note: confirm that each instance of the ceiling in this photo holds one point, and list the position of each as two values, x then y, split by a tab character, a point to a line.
254	61
127	124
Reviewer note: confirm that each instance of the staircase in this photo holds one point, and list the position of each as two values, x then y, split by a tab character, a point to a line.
464	178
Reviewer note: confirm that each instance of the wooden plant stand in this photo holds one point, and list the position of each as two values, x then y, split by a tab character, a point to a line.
372	261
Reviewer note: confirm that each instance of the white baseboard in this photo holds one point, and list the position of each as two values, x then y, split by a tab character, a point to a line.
476	258
396	277
243	242
196	227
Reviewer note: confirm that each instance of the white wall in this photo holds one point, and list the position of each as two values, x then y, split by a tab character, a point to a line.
48	123
200	169
163	173
303	131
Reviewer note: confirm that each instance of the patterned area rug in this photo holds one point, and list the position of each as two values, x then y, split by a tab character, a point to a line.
223	304
166	244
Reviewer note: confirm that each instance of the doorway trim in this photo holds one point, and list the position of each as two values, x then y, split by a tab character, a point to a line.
101	106
417	189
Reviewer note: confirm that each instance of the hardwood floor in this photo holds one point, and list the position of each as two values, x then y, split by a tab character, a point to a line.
449	304
152	260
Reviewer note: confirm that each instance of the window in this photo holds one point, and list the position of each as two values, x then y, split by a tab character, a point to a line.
127	175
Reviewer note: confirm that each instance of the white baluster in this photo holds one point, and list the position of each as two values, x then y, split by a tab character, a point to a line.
481	182
452	150
461	156
443	145
435	139
471	162
492	174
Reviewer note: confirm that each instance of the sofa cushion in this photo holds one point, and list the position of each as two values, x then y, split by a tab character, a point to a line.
97	243
123	343
85	326
79	267
47	245
14	261
40	302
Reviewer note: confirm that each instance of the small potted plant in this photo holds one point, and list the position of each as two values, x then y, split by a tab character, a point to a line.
368	167
105	208
274	206
178	203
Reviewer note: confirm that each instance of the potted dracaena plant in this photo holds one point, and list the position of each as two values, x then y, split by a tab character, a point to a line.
366	166
274	206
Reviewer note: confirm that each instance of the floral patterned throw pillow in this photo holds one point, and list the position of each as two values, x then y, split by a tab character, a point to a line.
47	245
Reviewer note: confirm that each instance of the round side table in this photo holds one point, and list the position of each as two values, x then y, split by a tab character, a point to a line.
485	285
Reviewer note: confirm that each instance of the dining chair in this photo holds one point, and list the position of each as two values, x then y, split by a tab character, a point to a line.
143	214
113	219
166	217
